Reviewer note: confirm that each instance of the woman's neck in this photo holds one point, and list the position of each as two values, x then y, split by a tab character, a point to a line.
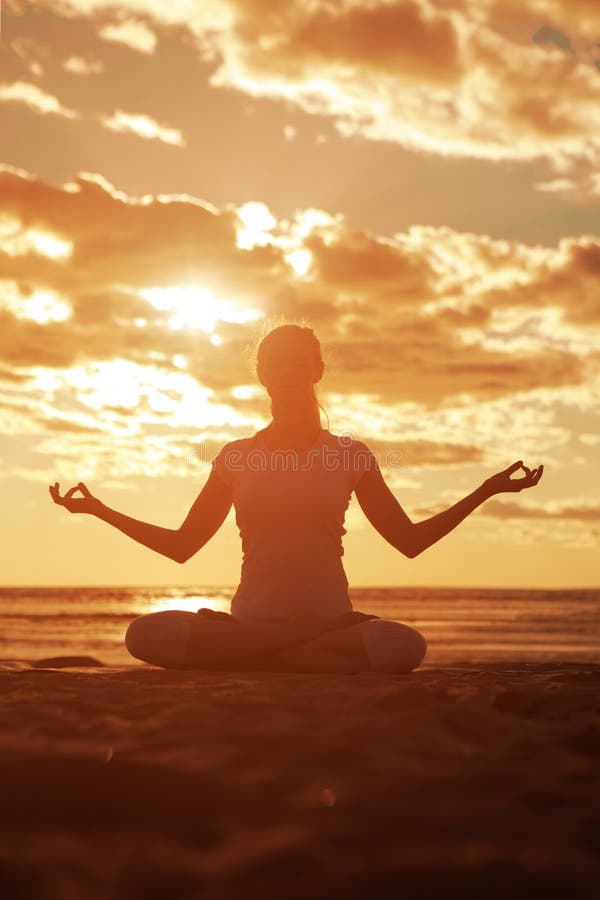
291	430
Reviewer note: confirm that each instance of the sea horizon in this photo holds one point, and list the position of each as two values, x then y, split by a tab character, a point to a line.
233	586
470	625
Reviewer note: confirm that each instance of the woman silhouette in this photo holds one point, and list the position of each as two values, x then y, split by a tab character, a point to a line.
290	484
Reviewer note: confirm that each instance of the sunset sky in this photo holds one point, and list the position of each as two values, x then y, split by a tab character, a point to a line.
419	180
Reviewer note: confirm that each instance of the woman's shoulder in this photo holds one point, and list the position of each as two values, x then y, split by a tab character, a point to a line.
355	455
346	439
238	445
239	448
231	458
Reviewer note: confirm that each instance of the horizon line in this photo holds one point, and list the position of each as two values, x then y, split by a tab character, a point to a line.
351	587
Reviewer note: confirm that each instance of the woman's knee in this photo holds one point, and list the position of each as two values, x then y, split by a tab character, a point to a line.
160	638
393	646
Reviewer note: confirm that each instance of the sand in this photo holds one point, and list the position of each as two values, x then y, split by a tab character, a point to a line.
461	781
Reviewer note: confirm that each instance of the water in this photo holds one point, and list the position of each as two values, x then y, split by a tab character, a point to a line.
460	624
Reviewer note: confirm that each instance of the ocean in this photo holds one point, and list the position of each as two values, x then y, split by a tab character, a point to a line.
470	625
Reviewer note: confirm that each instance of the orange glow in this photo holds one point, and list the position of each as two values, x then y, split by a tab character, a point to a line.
415	182
189	604
195	307
15	240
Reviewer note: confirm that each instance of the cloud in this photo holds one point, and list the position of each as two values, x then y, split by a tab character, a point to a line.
592	440
30	52
577	19
68	424
568	278
437	295
556	186
143	126
446	80
583	509
35	98
547	35
458	78
134	34
405	453
401	38
442	349
354	260
575	511
79	65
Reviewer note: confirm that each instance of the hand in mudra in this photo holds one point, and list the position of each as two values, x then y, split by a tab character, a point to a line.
502	482
84	504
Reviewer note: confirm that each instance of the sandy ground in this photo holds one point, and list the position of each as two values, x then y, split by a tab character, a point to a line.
461	781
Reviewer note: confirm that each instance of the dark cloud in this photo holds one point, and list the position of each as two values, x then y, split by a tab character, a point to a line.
548	35
359	262
392	38
398	368
570	281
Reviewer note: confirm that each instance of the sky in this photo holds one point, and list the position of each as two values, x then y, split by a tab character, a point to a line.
417	180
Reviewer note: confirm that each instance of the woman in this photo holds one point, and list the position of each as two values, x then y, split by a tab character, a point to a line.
290	484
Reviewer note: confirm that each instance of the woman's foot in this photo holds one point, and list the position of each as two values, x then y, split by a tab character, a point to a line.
346	620
214	614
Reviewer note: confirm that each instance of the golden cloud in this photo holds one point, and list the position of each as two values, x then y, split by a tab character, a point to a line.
35	98
143	126
461	78
133	34
584	510
385	304
568	278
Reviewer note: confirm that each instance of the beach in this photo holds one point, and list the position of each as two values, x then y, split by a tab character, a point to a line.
457	780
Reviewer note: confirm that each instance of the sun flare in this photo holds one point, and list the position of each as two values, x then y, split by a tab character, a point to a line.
195	307
190	603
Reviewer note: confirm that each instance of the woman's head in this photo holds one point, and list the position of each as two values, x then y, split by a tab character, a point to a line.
289	354
289	363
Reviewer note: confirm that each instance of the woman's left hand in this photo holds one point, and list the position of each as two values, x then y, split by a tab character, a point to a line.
85	504
502	483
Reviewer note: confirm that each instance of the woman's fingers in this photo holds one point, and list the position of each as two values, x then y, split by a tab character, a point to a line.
532	476
55	492
514	467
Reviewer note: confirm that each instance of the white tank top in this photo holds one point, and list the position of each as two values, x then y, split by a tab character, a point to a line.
290	508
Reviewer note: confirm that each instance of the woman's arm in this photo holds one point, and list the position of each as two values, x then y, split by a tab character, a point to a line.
430	531
387	516
155	537
164	540
206	516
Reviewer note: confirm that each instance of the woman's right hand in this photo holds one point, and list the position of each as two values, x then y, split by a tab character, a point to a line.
86	504
502	482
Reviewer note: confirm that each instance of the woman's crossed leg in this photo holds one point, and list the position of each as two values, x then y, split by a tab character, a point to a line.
184	640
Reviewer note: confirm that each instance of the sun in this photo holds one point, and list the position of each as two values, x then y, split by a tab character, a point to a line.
196	307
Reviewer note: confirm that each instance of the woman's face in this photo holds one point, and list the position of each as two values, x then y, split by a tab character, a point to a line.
289	368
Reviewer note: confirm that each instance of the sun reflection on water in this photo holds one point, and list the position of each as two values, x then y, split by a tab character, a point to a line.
189	603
